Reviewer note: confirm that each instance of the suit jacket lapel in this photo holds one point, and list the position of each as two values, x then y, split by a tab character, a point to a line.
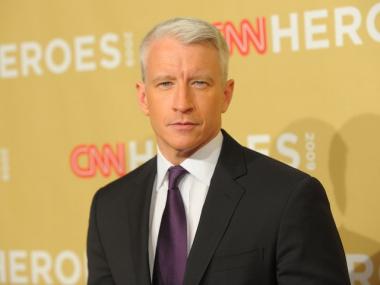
223	196
138	212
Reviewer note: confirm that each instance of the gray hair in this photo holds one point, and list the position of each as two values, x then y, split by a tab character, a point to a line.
187	31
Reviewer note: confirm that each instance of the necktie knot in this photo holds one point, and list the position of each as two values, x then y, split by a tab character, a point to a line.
175	175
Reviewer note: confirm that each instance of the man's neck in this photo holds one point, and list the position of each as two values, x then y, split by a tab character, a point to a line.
178	156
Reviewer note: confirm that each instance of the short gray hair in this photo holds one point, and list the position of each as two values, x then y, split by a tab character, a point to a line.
187	31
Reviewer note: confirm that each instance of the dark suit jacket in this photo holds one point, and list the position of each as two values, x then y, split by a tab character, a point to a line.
263	223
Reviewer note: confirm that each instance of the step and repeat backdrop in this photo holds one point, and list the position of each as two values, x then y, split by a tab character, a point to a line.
307	93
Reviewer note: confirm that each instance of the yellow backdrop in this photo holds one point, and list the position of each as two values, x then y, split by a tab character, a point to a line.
307	92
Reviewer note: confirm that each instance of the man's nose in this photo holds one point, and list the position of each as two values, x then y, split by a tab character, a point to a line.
182	99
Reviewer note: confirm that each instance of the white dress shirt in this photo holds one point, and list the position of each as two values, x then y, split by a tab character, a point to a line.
193	187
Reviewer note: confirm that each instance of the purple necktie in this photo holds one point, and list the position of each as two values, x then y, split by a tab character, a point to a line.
171	251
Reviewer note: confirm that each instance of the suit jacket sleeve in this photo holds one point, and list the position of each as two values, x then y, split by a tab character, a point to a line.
309	250
99	272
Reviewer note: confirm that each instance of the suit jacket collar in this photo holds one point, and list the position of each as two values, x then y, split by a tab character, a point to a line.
223	196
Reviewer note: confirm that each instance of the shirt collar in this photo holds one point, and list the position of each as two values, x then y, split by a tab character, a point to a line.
200	164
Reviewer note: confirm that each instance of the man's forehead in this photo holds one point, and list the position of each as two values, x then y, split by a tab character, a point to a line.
169	58
168	42
165	67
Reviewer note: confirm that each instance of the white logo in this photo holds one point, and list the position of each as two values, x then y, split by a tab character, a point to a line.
18	266
83	53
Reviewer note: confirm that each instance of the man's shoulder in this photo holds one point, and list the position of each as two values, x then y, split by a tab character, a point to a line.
265	165
257	162
125	184
273	178
260	167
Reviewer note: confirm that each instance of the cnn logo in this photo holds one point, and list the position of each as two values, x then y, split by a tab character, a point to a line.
90	160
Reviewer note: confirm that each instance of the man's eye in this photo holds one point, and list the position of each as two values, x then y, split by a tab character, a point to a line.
165	84
200	84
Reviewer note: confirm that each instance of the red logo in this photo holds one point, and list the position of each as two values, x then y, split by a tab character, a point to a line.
87	160
245	37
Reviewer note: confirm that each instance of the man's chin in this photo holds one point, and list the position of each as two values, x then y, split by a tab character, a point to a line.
186	149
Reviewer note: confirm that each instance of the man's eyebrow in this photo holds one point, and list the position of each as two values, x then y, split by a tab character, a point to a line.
200	76
203	77
159	78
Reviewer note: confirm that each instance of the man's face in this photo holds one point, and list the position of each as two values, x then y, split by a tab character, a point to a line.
184	95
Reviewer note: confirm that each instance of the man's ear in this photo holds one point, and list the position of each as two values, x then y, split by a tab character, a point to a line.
142	98
227	94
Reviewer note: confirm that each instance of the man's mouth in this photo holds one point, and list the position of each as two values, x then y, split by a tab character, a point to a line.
183	125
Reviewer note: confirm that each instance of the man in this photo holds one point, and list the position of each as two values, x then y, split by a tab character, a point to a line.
230	215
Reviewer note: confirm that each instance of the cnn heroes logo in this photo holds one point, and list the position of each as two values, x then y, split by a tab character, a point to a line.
42	267
307	30
90	160
4	165
83	54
